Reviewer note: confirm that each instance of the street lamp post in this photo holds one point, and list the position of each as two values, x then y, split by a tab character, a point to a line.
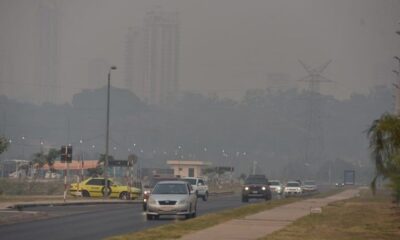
22	146
82	157
107	133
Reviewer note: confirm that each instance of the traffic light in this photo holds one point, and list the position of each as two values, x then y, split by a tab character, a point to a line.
66	154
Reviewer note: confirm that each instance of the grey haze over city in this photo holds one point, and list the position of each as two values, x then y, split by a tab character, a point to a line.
218	78
225	46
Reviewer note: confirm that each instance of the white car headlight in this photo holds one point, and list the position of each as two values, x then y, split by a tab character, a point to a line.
146	192
246	188
263	188
183	201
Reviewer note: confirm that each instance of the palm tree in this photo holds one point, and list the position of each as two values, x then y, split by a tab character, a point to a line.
384	138
99	170
3	144
38	161
51	157
102	159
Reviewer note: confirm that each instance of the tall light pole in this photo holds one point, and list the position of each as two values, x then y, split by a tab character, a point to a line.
180	159
106	187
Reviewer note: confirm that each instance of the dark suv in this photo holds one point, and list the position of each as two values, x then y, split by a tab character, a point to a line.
256	186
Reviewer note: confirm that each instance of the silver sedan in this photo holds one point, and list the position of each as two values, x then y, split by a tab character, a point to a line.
172	198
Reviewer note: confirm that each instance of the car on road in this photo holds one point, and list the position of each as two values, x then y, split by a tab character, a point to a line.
309	186
199	186
147	188
94	187
293	188
256	186
276	186
172	198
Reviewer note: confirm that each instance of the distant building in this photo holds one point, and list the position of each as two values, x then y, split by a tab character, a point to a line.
75	168
151	69
46	70
74	165
156	171
187	168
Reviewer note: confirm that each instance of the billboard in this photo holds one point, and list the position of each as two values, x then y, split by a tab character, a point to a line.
349	177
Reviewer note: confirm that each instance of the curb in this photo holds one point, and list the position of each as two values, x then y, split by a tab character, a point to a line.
20	206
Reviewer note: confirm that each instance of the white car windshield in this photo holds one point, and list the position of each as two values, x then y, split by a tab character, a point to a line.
256	181
170	188
274	183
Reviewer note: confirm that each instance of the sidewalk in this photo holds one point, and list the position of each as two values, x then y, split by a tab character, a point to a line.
264	223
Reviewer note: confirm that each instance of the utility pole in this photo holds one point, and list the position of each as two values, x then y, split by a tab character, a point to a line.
397	88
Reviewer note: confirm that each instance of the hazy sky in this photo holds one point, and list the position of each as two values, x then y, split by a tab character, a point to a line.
226	46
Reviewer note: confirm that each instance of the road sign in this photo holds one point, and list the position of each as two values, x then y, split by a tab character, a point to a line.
118	163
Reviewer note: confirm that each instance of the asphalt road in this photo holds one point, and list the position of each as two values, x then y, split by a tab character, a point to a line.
102	220
99	221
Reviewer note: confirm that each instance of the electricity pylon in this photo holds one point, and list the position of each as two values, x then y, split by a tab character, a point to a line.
314	142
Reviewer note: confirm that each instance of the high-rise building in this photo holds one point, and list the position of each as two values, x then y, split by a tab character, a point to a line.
134	62
97	73
152	57
46	76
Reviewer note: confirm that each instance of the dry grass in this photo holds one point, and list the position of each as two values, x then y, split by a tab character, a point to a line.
25	198
365	217
24	187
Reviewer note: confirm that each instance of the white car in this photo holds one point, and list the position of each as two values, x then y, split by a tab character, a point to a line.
199	186
293	188
309	186
276	186
172	198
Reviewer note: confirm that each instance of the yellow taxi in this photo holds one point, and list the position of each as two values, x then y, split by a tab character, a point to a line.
94	187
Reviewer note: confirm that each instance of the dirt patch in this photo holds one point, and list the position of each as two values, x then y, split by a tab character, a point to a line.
9	217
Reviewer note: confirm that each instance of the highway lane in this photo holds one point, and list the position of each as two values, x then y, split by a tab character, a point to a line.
99	221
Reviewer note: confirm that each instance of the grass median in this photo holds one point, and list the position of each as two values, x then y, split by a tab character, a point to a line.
178	229
364	217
